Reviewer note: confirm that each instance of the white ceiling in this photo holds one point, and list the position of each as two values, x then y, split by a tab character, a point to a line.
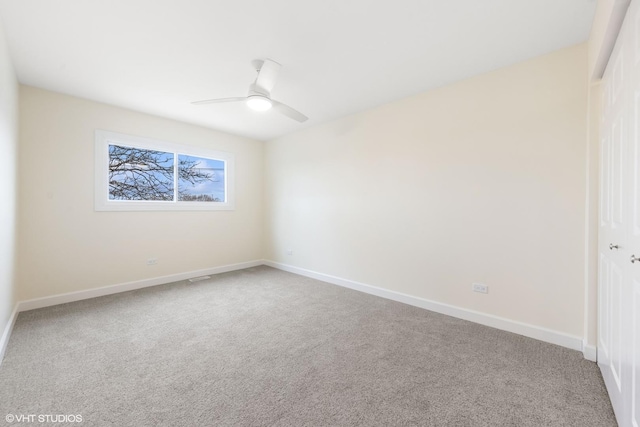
338	56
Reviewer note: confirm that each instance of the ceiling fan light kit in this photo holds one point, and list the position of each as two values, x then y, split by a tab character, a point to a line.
259	103
259	97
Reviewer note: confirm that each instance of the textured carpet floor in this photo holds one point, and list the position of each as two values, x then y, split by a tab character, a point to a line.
261	347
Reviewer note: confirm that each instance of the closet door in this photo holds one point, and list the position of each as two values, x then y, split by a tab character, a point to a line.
613	225
619	238
633	38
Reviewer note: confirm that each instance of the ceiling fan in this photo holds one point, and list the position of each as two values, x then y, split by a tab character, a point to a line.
259	97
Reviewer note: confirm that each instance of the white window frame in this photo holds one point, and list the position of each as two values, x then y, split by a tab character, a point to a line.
101	197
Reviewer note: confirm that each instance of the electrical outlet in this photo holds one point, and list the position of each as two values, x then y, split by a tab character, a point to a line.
289	252
152	261
480	287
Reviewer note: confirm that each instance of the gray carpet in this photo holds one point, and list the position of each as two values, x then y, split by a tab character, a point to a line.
261	347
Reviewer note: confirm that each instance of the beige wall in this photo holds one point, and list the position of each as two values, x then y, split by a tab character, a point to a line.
481	181
601	19
65	246
604	30
8	160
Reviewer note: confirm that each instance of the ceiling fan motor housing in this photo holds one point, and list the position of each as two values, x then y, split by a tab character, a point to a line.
255	90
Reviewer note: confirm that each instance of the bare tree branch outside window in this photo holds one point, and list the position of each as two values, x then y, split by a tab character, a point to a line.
141	174
200	179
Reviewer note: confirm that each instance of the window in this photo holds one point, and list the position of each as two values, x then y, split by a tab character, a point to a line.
134	173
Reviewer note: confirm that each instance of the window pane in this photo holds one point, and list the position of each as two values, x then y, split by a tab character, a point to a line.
200	179
139	174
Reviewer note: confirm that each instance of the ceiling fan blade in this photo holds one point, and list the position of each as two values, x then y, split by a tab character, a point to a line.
288	111
268	75
217	101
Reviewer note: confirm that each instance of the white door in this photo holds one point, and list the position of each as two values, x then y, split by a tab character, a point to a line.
619	238
613	223
633	366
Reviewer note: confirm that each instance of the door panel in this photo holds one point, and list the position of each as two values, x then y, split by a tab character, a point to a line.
615	326
619	234
605	182
635	165
635	357
617	171
604	337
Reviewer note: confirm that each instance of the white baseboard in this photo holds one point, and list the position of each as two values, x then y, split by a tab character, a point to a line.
33	304
6	334
531	331
129	286
590	352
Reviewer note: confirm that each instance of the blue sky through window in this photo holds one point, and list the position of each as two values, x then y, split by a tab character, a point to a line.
211	189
